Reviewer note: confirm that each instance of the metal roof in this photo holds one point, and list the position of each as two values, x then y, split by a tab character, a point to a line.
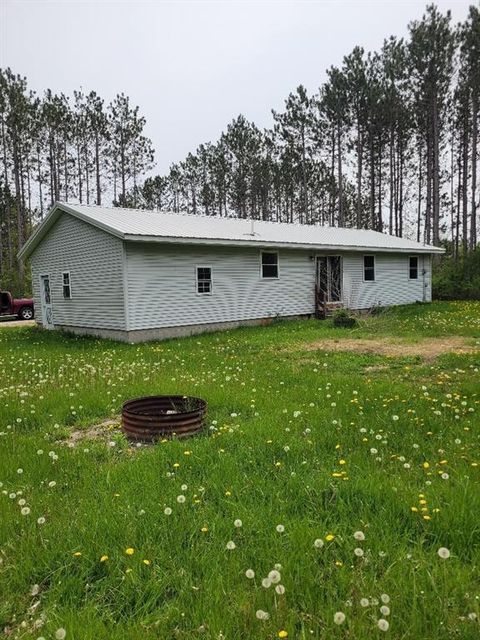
153	226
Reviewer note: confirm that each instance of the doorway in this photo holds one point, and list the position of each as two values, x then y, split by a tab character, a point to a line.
329	279
46	300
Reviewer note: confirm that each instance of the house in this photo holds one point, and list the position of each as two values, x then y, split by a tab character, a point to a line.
137	275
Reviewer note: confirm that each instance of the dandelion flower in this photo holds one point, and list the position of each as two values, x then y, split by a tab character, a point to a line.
358	552
280	528
184	487
237	523
384	610
329	537
262	615
274	576
283	634
444	553
359	535
266	583
383	624
280	589
129	551
339	617
167	511
103	558
250	573
41	520
147	562
77	554
181	499
318	543
60	634
385	598
231	545
25	511
364	602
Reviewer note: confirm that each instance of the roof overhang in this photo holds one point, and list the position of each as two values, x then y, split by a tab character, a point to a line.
59	208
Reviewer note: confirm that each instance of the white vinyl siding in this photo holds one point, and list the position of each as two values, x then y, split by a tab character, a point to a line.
94	260
160	292
392	285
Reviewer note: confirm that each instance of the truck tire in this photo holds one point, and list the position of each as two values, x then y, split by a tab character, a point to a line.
26	313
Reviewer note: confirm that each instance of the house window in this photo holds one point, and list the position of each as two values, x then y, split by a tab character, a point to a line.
67	289
269	264
369	268
204	280
413	268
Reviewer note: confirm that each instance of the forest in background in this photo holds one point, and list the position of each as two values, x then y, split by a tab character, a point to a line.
389	142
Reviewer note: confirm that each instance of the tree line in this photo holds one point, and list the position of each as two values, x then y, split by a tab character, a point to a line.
56	147
388	142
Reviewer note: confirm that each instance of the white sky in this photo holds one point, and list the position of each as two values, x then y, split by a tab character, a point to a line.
192	66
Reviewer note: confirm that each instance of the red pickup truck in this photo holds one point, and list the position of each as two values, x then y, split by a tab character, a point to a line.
20	307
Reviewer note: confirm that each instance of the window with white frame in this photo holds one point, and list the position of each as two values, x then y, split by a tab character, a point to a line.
67	288
204	280
369	268
413	267
269	264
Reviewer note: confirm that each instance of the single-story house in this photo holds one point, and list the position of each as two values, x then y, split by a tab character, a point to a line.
137	275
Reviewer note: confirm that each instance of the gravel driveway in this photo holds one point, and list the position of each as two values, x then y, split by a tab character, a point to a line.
17	323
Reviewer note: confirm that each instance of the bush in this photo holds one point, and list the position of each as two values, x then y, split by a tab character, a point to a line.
342	318
457	279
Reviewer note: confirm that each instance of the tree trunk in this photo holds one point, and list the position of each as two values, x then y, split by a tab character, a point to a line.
473	216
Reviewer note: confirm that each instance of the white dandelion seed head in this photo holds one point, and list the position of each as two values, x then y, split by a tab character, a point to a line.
364	602
266	583
359	535
22	502
385	598
339	617
280	528
274	576
237	523
25	511
181	499
262	615
60	634
445	476
318	543
280	589
41	520
184	487
358	552
444	553
250	573
383	624
231	545
384	610
277	566
167	511
35	590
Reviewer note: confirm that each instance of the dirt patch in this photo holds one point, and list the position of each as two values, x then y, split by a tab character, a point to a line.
427	349
101	431
17	323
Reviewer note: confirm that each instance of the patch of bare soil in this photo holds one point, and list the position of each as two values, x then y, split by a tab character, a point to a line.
428	349
100	431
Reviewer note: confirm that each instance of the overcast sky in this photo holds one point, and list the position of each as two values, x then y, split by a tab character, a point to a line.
193	66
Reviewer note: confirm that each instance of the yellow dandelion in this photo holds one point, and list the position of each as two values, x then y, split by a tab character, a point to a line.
204	529
283	634
176	465
147	562
329	537
228	493
130	551
338	563
342	462
103	558
77	554
426	465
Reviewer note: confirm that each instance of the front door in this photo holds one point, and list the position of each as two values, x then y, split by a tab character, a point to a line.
329	279
46	298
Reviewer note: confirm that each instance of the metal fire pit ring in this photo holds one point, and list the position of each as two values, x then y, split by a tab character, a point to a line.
151	417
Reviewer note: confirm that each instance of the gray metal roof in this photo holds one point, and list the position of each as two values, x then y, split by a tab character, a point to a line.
152	226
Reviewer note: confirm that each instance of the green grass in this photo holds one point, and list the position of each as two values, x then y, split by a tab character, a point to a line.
281	422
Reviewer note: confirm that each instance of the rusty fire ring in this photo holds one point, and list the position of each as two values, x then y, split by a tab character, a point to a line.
152	417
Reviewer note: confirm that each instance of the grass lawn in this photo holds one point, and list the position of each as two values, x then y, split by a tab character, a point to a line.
306	447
